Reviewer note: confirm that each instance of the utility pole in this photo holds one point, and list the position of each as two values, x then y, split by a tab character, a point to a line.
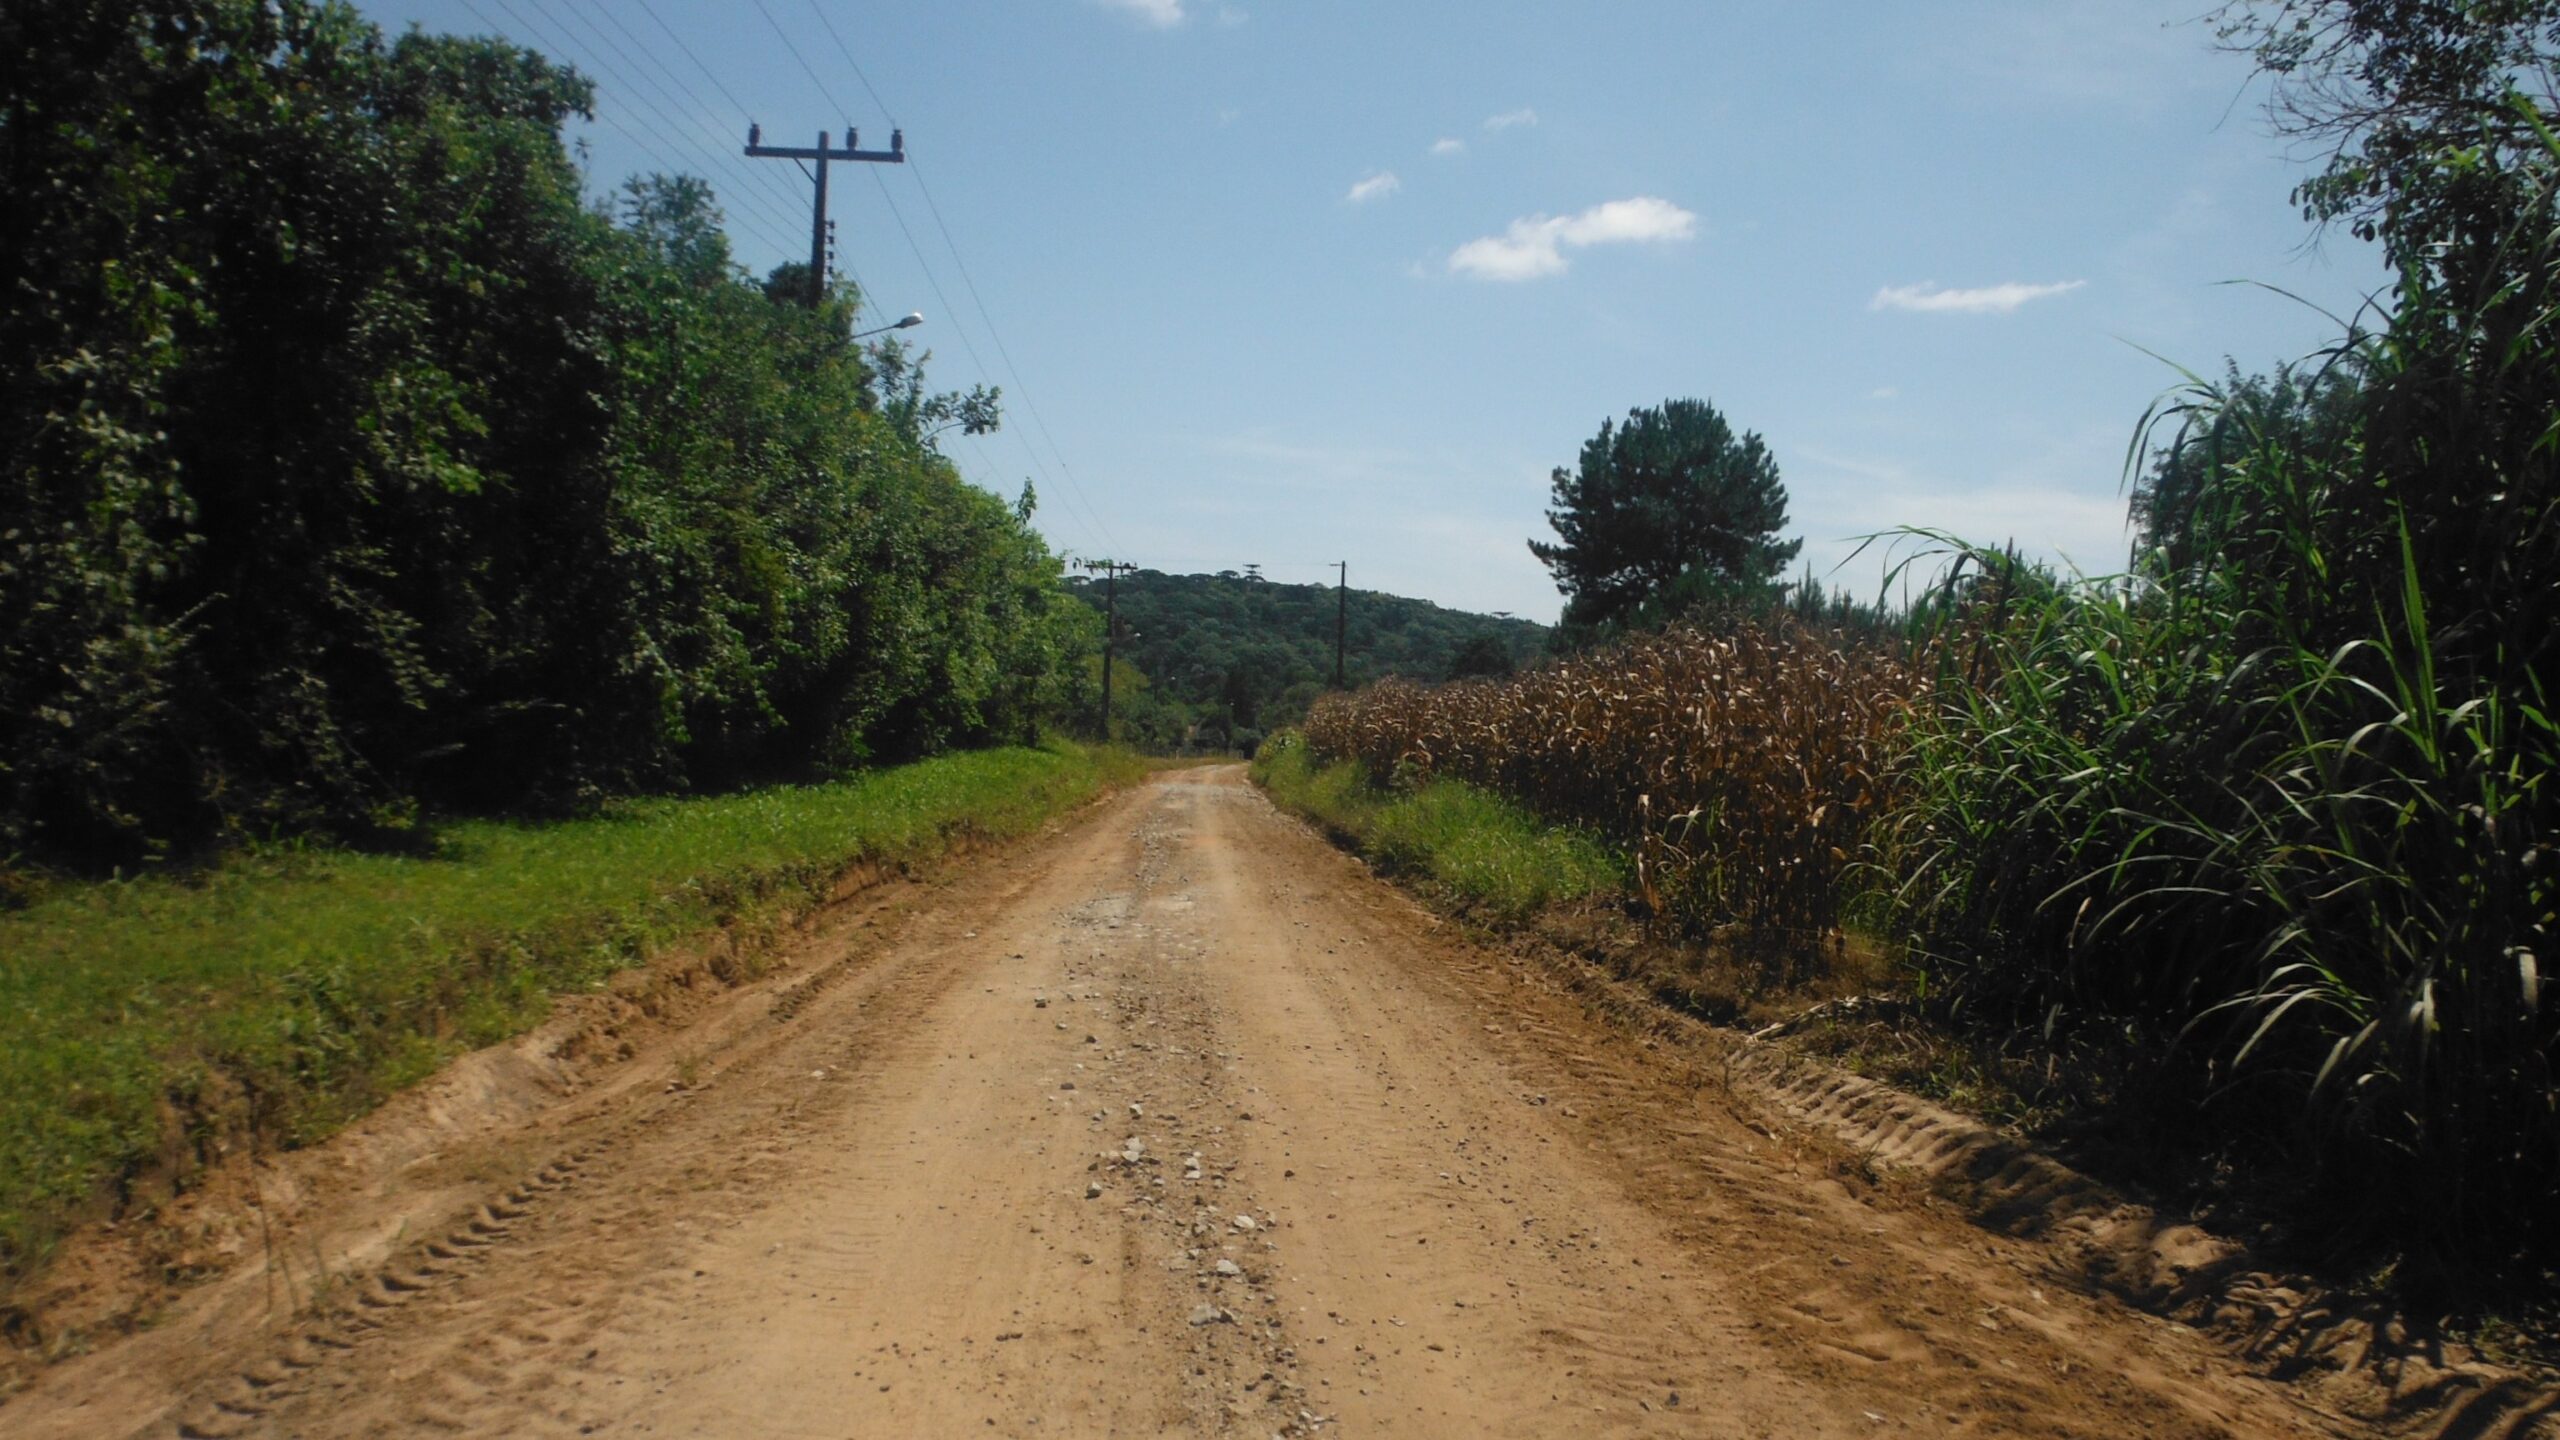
1341	617
819	230
1111	570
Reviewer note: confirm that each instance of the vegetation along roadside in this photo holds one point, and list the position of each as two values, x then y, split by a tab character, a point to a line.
291	989
2239	861
1490	854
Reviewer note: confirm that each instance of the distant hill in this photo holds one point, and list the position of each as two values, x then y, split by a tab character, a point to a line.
1211	656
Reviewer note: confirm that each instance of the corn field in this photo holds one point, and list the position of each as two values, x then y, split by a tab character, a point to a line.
1741	768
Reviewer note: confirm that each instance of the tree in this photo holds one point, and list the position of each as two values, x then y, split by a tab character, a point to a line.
2434	117
355	469
1484	655
1669	510
2182	508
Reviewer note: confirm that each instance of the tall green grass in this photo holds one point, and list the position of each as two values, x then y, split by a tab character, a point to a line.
1487	850
2281	802
294	989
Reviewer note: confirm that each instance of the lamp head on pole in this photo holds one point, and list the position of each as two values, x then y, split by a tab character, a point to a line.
912	319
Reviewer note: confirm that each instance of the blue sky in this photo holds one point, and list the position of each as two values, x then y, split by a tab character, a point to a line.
1298	282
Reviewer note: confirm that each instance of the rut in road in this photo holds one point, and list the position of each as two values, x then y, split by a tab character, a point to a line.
1175	1122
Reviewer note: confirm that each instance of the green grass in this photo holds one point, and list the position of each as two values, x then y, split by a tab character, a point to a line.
1488	851
292	990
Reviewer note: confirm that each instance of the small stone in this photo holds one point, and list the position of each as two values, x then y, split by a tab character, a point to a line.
1093	1190
1246	1223
1039	1002
1206	1314
1066	1084
1228	1267
1136	1109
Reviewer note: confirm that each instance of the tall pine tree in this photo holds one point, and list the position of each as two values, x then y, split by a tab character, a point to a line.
1666	511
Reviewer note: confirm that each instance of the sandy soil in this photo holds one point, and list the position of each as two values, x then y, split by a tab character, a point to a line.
1175	1122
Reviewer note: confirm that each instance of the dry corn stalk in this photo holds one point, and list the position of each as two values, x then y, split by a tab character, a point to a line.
1740	767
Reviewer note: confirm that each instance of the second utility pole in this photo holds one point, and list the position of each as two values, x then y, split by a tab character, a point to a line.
1341	617
896	154
1111	570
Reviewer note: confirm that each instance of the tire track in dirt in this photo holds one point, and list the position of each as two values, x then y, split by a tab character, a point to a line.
1177	1123
1705	1260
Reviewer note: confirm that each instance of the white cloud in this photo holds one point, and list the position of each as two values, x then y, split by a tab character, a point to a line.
1535	245
1509	118
1447	147
1376	187
1162	14
1929	297
1884	392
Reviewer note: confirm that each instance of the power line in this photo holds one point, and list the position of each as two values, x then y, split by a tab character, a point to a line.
1090	520
708	160
847	52
1075	488
861	291
822	230
967	282
602	117
691	98
797	57
652	151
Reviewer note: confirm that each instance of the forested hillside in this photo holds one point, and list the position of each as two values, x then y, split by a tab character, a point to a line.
1216	657
354	465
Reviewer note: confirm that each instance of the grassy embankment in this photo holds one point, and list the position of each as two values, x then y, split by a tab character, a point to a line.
1488	852
296	989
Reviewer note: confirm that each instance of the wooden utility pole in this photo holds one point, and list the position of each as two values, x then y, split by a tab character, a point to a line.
1111	570
1341	617
896	154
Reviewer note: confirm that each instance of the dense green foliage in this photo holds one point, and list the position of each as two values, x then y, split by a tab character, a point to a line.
290	989
2430	115
2282	803
1668	511
2307	411
351	464
1488	851
1215	659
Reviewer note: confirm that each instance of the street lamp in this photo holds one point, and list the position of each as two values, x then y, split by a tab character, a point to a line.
914	318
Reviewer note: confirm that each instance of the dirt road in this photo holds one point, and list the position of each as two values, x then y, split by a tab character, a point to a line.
1175	1122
